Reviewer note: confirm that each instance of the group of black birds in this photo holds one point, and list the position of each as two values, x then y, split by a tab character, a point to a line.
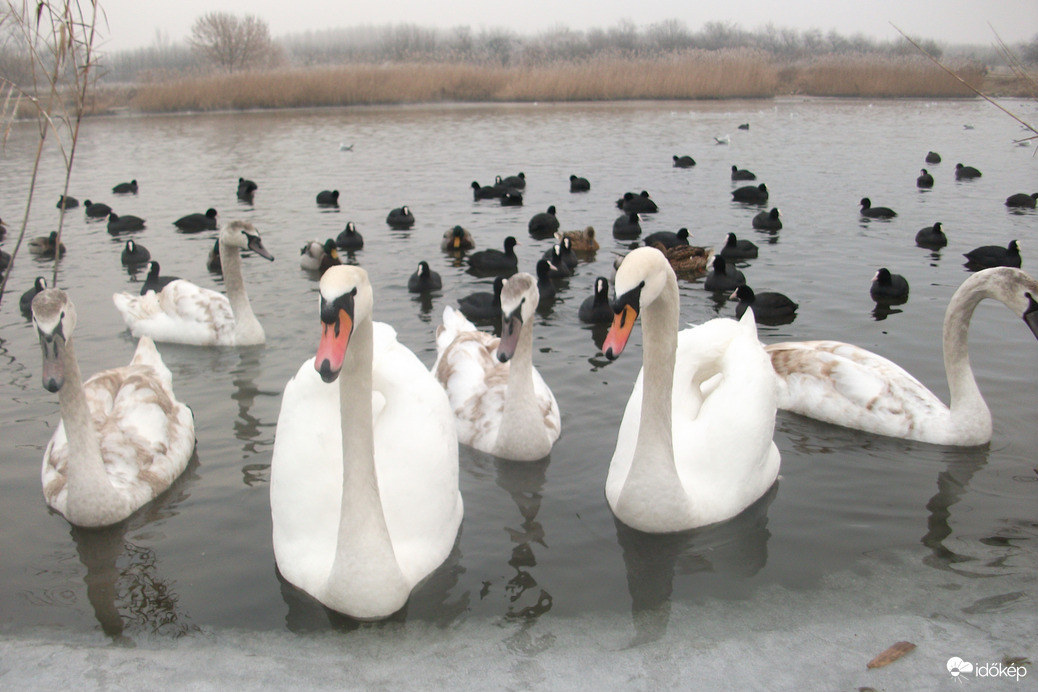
559	261
890	288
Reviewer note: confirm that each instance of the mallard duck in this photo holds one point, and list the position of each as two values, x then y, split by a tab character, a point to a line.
687	259
457	239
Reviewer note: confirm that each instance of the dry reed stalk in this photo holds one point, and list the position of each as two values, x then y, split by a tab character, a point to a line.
880	76
58	38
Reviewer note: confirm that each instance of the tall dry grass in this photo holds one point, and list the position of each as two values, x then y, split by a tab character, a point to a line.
740	73
696	75
878	76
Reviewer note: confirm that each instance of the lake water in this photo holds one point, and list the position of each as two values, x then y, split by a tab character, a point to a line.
864	540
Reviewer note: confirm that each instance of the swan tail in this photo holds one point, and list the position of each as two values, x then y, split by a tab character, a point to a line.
454	323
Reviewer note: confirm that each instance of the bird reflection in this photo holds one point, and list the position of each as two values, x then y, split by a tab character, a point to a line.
524	481
122	578
952	483
885	309
247	427
425	304
598	334
737	547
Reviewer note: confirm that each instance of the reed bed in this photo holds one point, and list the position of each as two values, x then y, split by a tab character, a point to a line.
740	73
878	76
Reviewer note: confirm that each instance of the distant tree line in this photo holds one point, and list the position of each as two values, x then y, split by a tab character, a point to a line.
212	46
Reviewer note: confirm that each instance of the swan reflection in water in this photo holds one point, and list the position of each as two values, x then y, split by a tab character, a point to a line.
123	582
952	485
256	436
734	548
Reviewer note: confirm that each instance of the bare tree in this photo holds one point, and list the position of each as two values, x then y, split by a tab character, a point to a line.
232	42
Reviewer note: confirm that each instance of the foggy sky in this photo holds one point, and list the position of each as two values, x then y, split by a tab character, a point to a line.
140	23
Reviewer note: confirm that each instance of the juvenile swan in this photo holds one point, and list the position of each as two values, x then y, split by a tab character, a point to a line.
123	436
846	385
501	404
185	313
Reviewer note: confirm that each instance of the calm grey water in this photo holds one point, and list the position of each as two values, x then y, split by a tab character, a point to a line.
893	527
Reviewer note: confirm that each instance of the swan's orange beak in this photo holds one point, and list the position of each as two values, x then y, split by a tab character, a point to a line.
335	338
619	332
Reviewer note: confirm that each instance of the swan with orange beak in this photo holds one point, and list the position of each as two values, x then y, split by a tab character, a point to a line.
695	443
364	494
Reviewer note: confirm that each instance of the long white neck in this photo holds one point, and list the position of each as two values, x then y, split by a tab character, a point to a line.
365	567
247	328
653	479
522	435
91	498
967	403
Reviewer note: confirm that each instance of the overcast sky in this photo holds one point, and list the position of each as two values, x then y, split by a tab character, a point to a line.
137	23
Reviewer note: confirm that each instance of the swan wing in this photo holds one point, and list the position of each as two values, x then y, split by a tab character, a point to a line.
847	385
416	457
146	435
475	381
725	454
548	406
181	312
306	479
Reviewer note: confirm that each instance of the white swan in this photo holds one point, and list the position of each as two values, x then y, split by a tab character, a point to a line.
185	313
123	437
695	443
846	385
364	479
501	403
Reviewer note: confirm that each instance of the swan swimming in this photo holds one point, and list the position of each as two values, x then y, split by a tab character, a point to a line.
847	385
123	436
364	492
185	313
501	404
695	443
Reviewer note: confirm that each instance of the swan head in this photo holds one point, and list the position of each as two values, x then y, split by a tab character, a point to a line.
243	235
345	301
54	316
519	298
1013	287
640	279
